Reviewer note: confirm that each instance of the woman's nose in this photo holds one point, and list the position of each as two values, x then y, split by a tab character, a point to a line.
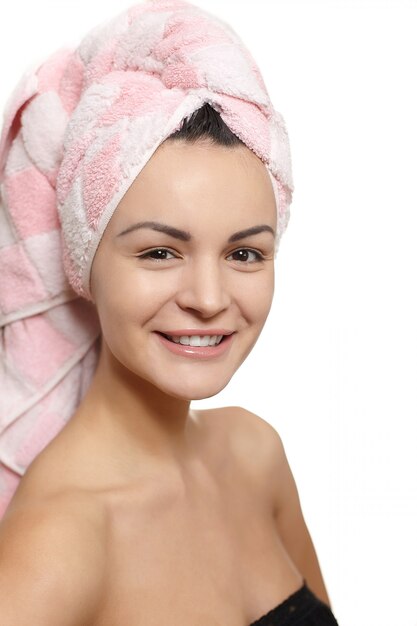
204	288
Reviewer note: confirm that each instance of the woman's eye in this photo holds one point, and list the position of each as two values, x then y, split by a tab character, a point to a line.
245	255
158	254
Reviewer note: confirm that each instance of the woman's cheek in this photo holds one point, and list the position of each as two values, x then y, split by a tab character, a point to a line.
146	292
258	292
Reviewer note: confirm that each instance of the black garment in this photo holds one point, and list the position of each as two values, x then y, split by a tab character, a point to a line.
301	608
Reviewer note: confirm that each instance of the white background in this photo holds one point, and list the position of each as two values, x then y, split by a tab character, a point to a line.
335	368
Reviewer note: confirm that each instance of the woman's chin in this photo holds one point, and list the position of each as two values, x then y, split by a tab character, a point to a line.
197	391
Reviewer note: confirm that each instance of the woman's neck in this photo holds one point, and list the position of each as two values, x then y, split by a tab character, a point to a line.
133	417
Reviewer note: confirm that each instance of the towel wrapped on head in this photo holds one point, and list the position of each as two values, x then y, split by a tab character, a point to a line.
77	130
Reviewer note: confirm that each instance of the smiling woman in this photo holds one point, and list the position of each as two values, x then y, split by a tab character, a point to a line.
171	180
205	285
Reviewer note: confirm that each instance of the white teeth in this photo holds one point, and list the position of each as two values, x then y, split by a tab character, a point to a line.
197	340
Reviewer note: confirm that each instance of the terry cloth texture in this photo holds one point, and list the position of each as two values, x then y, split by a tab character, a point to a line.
77	129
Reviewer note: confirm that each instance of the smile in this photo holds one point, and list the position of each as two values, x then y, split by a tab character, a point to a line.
196	340
199	346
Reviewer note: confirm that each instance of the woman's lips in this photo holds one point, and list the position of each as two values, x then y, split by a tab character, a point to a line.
198	352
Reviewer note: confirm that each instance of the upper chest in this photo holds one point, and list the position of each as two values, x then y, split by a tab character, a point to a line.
201	551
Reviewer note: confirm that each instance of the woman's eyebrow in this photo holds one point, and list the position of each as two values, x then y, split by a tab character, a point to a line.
162	228
186	236
254	230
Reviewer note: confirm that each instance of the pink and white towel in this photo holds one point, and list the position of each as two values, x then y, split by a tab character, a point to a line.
77	130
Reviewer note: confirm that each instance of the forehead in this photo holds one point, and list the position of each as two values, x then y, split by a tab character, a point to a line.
185	182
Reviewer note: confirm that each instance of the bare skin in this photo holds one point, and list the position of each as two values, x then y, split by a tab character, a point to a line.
204	548
180	516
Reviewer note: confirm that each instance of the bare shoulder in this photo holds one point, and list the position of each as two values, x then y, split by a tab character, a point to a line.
269	456
242	421
255	441
261	453
52	558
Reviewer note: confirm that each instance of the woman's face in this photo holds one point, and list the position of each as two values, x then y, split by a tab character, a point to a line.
188	254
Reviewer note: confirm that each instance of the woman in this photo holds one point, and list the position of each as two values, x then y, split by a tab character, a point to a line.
141	510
